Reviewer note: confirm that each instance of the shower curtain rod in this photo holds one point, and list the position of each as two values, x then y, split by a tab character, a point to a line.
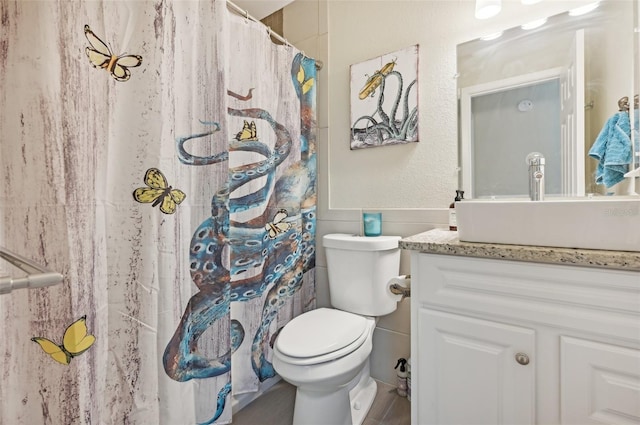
37	275
272	33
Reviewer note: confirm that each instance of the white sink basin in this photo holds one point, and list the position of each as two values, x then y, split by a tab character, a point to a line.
601	222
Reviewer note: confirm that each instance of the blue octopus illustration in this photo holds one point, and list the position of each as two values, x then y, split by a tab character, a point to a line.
283	253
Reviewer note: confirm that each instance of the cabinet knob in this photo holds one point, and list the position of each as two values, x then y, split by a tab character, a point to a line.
522	358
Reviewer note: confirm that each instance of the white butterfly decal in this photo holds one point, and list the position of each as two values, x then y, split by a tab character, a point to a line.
278	225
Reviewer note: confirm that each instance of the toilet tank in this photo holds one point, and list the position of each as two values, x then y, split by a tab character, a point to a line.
359	270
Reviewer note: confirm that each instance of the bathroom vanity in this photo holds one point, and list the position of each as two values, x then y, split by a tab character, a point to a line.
510	334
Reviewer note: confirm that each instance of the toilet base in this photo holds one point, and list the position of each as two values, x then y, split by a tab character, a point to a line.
347	405
361	400
322	408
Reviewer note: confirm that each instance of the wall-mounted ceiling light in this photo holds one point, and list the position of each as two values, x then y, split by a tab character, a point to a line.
487	8
491	36
584	9
530	1
534	24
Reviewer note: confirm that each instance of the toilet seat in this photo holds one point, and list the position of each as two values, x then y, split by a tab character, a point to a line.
320	336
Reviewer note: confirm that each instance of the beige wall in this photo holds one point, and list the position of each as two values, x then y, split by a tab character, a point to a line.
411	184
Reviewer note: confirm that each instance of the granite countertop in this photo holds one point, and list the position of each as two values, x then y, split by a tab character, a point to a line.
441	241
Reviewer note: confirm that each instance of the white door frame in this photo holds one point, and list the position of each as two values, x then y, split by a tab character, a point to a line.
468	93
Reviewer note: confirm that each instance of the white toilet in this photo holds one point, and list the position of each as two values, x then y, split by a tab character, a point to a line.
325	352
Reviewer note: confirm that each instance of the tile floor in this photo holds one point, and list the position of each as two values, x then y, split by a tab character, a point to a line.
275	407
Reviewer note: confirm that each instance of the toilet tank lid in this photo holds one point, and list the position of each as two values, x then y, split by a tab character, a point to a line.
360	243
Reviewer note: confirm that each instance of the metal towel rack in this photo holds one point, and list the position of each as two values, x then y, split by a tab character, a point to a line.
623	103
37	275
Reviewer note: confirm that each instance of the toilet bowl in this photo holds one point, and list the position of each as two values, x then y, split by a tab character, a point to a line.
325	354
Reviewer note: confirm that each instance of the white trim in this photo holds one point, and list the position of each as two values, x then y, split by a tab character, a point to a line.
576	164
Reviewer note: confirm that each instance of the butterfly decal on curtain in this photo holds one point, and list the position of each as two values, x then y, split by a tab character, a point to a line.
248	132
158	192
278	225
76	340
305	83
100	56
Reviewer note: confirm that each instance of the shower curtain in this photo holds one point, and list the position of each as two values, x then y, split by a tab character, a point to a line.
161	155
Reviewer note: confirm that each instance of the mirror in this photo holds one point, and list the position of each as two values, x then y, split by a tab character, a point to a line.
549	89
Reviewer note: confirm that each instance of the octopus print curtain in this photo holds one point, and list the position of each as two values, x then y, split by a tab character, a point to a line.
161	156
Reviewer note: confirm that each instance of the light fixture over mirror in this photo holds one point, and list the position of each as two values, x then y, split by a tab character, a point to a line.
487	8
534	24
493	36
583	10
544	56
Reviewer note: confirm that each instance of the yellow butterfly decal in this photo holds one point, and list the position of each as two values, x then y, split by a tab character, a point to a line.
100	56
75	341
278	225
159	192
306	85
248	132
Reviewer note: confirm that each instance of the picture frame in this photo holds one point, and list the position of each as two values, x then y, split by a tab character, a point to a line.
384	100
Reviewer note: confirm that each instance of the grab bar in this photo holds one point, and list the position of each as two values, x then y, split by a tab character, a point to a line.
37	275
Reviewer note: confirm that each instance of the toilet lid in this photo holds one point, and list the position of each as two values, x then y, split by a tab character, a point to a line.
319	332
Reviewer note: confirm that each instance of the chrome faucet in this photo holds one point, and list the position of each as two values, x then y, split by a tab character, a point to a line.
535	161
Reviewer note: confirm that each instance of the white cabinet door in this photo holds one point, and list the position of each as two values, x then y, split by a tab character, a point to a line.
600	383
469	374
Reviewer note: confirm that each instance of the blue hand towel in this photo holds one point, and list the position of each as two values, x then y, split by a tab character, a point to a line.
612	149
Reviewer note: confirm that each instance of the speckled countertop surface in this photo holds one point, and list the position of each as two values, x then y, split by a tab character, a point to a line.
440	241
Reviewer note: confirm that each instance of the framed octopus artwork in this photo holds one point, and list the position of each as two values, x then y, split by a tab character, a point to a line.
384	100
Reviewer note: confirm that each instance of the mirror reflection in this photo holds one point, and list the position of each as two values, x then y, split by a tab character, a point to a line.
551	87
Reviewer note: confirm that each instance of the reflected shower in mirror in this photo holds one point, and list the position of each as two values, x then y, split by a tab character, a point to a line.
549	88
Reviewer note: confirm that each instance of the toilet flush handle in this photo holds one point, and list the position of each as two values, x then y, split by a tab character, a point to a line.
401	285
